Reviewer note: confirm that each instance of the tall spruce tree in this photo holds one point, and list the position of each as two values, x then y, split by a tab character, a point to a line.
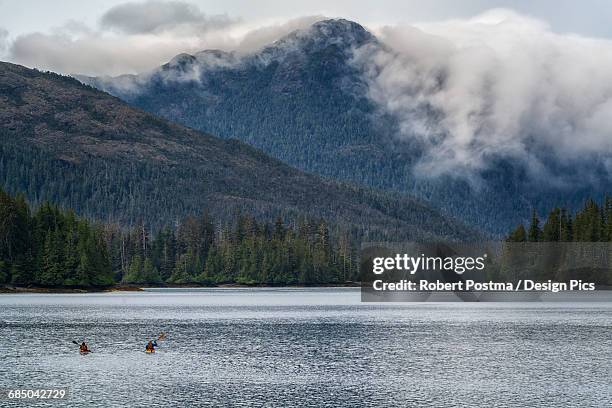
534	233
551	232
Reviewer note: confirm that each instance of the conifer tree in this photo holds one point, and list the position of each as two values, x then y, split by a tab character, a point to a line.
551	232
518	235
66	250
534	228
566	227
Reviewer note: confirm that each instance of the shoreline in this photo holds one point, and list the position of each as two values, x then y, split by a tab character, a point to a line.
10	289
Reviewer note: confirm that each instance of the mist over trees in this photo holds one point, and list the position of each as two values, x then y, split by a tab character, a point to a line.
306	101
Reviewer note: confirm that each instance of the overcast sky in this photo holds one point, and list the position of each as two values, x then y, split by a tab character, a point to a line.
97	37
588	17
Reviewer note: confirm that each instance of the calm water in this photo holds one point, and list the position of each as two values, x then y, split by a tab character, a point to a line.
305	347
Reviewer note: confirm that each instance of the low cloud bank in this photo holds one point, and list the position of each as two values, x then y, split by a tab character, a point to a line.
136	37
496	85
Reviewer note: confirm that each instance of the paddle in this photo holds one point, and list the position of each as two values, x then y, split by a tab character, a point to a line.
162	336
89	351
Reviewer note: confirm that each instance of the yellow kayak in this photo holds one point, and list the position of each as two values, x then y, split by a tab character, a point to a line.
149	351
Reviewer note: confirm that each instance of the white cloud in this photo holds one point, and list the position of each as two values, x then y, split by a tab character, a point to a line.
268	33
161	16
137	37
96	53
3	40
501	84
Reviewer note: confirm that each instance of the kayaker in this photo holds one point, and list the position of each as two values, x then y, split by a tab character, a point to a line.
83	348
150	347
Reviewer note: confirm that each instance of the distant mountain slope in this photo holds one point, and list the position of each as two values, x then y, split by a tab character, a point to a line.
77	146
303	101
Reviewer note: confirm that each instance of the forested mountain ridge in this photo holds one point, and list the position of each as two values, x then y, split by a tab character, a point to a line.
303	100
81	148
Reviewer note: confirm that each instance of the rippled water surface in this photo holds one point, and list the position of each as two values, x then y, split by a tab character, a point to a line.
305	347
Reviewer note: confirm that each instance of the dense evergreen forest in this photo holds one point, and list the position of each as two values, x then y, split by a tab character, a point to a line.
555	250
593	223
305	101
51	247
79	148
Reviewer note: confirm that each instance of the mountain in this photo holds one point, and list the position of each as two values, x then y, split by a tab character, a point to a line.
303	100
79	147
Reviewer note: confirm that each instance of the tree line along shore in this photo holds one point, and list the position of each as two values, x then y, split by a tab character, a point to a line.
49	247
592	223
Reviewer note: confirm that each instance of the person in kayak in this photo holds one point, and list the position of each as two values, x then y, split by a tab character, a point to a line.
83	348
150	347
